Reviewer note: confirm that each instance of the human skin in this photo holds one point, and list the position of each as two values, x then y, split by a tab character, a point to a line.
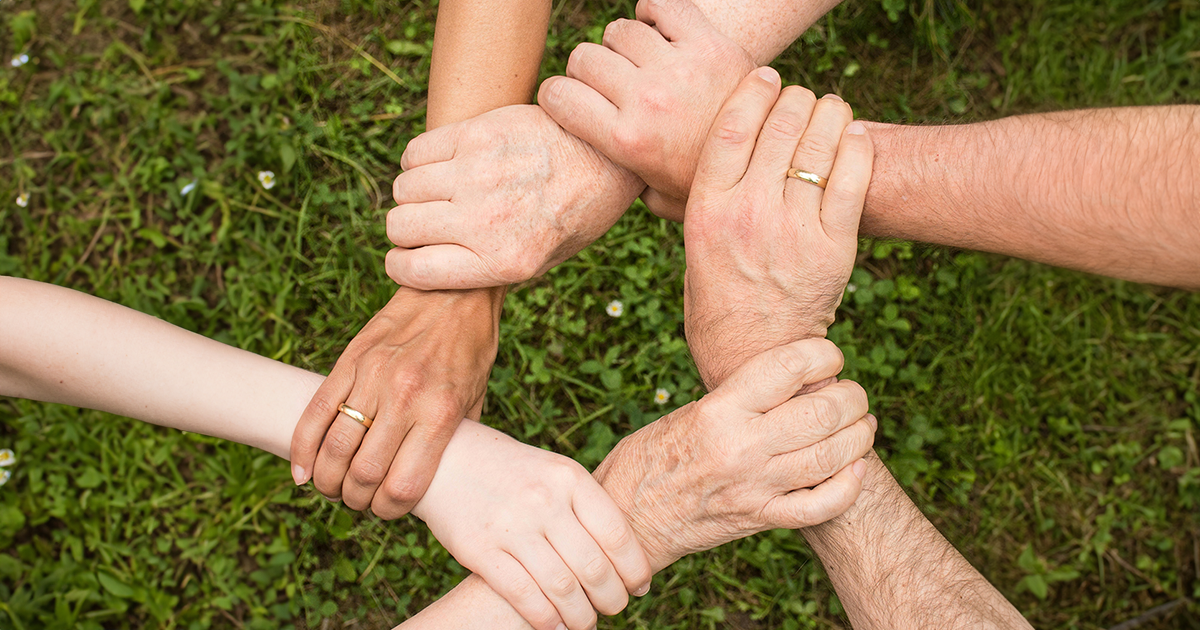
528	520
421	364
506	196
890	566
1108	191
770	458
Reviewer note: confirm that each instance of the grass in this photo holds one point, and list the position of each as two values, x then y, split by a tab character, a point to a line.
1045	420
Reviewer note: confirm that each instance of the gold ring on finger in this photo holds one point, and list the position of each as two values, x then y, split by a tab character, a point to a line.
812	178
355	415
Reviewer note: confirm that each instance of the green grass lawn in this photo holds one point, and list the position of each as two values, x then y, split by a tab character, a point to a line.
1046	420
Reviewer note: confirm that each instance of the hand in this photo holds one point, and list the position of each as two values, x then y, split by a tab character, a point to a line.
417	368
752	455
647	97
499	199
531	522
768	256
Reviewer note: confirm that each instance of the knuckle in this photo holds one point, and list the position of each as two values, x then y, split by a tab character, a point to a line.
367	473
825	413
596	570
614	30
562	585
825	459
617	535
630	138
340	444
784	125
731	128
404	491
792	360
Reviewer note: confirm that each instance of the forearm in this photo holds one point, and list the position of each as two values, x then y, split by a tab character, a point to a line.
764	29
1109	191
486	55
892	569
59	345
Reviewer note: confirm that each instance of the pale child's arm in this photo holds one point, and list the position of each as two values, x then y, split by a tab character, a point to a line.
504	509
62	346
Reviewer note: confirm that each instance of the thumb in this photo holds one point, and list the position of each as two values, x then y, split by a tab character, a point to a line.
676	19
772	378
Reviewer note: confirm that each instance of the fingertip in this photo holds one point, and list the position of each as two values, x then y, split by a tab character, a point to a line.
856	128
299	474
768	74
859	468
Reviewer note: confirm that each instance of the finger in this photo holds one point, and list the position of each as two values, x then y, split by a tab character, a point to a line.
431	182
316	420
817	149
779	138
511	581
675	19
582	111
443	267
338	450
558	584
370	464
413	467
731	139
813	506
808	419
602	70
664	206
808	467
436	145
605	522
591	567
842	203
419	224
635	40
771	378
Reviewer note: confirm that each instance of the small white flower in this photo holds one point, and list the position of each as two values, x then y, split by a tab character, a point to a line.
6	459
23	199
851	288
187	188
661	396
20	60
615	308
267	179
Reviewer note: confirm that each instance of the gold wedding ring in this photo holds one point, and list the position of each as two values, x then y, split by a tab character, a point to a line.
356	415
811	178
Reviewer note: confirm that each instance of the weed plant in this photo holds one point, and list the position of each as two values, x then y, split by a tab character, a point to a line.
1045	420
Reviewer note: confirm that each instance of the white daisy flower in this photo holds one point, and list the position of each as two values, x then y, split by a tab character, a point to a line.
20	60
267	179
615	308
188	188
23	199
6	459
661	396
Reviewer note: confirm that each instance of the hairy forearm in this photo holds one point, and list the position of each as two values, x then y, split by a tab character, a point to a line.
1109	191
893	570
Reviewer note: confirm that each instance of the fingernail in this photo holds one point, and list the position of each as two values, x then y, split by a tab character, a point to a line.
560	627
332	500
873	421
642	590
856	129
768	74
859	468
833	97
298	474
